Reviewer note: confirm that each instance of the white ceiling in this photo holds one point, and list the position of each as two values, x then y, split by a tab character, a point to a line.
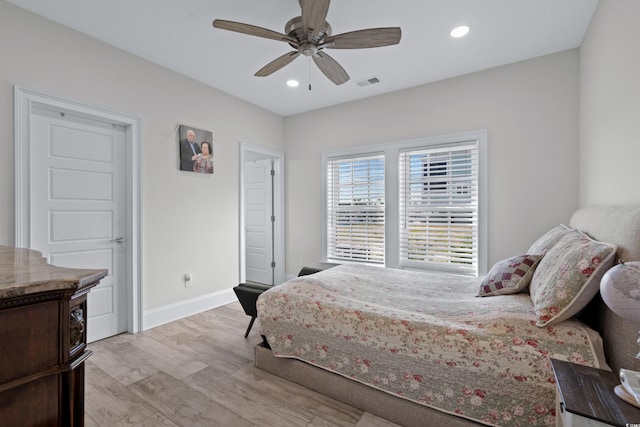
178	35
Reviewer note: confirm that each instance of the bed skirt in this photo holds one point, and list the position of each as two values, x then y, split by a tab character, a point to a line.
353	393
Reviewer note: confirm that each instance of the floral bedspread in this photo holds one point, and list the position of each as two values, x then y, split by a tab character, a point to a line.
427	338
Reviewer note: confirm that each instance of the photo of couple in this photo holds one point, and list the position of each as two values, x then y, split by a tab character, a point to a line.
196	152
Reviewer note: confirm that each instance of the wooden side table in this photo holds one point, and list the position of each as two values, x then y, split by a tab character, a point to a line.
585	397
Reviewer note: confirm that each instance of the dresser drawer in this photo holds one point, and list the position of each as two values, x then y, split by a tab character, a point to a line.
29	336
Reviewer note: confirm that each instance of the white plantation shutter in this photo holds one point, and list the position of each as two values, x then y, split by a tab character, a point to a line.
355	208
418	204
439	207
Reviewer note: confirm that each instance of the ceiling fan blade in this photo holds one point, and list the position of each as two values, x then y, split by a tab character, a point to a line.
330	68
251	30
372	37
314	14
277	63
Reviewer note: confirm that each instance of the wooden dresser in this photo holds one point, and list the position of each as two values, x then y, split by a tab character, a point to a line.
43	312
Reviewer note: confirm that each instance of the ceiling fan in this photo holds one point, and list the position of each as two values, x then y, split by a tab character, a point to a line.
310	34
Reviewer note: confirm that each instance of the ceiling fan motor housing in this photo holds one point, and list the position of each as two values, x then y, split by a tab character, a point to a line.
295	29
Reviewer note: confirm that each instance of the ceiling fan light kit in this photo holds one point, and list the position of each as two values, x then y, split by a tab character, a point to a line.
309	34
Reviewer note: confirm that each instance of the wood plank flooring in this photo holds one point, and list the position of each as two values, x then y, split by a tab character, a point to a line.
198	371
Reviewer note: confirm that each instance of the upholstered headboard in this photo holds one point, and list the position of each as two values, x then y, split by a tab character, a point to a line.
619	225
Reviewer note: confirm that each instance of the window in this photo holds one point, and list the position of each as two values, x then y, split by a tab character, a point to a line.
439	207
414	204
355	203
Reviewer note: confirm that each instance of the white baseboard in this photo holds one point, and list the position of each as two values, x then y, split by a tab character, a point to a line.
169	313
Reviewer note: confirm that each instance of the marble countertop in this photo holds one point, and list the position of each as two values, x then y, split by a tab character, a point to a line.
25	271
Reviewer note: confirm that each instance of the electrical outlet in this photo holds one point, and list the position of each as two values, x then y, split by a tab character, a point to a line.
188	281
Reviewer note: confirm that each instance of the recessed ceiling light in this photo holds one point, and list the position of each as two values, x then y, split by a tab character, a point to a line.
293	83
460	31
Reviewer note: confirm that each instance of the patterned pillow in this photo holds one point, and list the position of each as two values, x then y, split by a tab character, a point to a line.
509	276
547	240
568	277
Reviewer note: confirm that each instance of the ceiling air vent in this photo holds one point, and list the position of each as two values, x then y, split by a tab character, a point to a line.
369	81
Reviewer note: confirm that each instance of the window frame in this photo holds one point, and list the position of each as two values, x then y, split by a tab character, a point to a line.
438	229
351	215
391	152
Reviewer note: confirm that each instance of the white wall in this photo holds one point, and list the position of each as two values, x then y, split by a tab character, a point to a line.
530	110
610	106
189	221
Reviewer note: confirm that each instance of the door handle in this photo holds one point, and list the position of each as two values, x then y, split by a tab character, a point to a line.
118	239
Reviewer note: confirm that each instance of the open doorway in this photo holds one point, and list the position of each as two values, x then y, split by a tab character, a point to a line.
261	215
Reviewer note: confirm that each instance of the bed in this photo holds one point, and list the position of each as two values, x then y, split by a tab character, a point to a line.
425	349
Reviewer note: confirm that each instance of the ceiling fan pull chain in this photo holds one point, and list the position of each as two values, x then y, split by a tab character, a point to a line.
309	59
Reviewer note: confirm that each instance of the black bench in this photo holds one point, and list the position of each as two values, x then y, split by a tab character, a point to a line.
249	292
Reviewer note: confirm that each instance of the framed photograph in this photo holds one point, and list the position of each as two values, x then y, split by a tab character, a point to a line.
196	149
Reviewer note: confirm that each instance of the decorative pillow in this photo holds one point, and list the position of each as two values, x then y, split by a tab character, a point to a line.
568	277
547	240
509	276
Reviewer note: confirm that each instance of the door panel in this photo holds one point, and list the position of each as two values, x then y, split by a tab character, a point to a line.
76	143
258	226
77	196
67	226
80	185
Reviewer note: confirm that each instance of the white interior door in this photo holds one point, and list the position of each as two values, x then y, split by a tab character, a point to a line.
258	193
78	213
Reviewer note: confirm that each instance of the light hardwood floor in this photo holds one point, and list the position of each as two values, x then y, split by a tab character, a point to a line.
198	371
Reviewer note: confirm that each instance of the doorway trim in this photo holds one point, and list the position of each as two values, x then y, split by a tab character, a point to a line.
24	101
247	150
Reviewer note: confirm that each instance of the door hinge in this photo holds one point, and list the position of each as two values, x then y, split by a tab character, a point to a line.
273	218
273	264
273	172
